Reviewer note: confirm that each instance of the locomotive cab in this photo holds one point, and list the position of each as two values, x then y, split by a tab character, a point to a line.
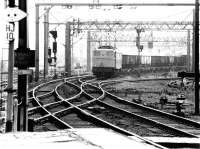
106	61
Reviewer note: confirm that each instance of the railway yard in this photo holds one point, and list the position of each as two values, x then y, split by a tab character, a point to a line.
127	105
100	74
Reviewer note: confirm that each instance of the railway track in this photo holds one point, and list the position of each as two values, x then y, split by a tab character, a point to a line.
98	108
89	101
66	116
186	125
52	108
132	122
179	123
44	98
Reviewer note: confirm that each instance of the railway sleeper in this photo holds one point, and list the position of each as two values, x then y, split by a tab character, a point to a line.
32	103
46	98
30	110
39	110
109	125
73	85
51	119
42	120
158	124
172	116
87	95
61	113
45	95
99	122
55	104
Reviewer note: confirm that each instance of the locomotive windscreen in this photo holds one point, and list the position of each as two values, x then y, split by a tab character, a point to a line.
105	47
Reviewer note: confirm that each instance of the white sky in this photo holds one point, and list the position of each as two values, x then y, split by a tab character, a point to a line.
58	14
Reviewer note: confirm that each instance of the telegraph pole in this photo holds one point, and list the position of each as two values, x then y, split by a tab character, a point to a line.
88	51
22	79
46	42
54	35
10	27
193	44
68	49
37	43
196	45
188	51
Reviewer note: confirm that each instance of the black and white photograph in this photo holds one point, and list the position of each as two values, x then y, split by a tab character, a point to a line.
99	74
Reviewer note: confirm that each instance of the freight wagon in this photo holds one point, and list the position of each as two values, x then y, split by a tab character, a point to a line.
158	61
132	61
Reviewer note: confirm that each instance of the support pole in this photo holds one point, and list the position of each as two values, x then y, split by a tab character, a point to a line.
68	50
9	109
9	122
22	79
138	44
197	57
193	44
37	43
188	51
46	42
15	111
88	52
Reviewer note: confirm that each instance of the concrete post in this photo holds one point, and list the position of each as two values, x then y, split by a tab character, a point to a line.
196	45
15	111
9	120
88	52
46	42
68	50
37	43
193	42
9	109
188	51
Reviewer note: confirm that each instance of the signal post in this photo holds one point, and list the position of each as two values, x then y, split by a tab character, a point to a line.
13	14
24	58
10	36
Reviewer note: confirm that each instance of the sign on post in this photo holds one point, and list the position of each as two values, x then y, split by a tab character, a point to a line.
24	72
10	29
14	14
24	58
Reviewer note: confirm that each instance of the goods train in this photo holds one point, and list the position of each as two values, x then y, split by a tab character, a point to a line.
106	61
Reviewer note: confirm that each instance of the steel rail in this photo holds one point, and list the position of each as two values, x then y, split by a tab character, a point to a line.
156	123
106	124
50	114
58	102
47	94
184	120
144	118
170	116
109	125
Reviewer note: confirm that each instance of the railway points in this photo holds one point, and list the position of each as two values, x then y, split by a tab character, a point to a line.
59	111
72	112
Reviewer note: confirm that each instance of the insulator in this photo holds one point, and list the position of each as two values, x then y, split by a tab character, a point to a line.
50	60
49	52
54	47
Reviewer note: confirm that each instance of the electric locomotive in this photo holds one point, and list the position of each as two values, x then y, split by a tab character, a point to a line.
106	61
